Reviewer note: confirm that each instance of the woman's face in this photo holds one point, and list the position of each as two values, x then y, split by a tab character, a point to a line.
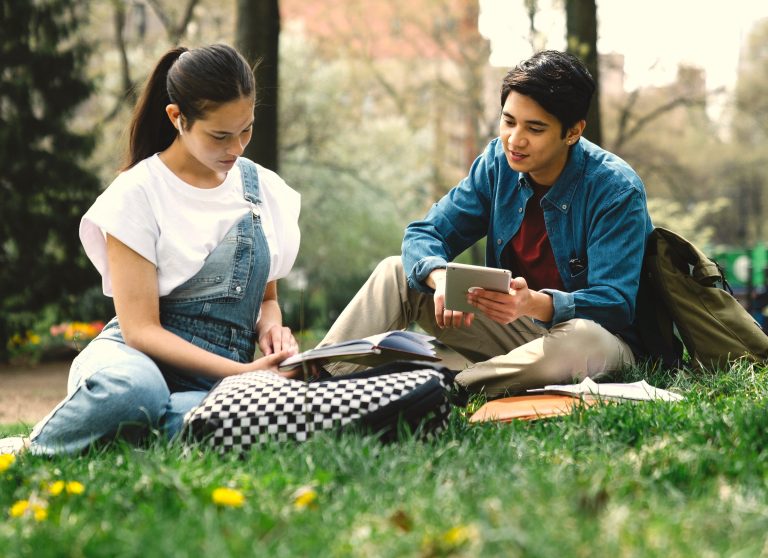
531	139
218	138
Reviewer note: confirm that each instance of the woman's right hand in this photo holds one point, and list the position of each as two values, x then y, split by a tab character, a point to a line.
269	362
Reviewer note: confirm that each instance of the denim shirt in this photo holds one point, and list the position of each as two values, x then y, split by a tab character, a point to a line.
596	218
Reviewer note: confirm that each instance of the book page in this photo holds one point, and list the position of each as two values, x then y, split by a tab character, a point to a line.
638	391
399	345
406	341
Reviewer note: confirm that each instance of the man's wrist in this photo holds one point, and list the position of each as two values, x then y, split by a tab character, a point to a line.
543	306
435	277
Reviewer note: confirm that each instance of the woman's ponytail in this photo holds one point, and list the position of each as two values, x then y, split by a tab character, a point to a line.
150	131
200	80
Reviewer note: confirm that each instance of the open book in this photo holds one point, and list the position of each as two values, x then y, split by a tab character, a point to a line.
371	351
588	389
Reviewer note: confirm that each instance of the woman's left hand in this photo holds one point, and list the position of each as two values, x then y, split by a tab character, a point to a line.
277	338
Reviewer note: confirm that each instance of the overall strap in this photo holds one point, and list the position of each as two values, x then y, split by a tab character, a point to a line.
250	174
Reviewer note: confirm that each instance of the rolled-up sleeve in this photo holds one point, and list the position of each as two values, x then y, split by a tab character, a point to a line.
451	226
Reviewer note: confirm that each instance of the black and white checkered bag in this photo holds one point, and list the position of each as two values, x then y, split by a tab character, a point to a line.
253	408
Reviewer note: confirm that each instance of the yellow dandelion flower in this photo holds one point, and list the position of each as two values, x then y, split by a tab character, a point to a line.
455	535
459	535
40	513
6	460
56	488
74	487
229	497
19	508
304	498
34	338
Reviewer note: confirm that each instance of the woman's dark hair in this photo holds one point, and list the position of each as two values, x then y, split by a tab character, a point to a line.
197	80
558	81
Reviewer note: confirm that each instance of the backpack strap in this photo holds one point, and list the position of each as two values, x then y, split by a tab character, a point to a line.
703	270
654	320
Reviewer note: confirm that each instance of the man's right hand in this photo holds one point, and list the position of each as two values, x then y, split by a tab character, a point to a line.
445	318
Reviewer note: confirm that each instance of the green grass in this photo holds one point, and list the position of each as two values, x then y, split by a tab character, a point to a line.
650	479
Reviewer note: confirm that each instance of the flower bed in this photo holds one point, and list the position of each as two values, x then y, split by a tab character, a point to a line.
58	342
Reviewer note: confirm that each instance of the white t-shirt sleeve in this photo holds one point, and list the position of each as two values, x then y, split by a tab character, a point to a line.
124	212
283	204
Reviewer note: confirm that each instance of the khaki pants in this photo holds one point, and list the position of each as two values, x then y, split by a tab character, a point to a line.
501	359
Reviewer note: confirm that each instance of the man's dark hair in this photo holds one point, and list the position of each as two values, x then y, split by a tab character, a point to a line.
558	81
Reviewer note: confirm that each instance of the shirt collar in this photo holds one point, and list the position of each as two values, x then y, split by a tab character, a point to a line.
561	194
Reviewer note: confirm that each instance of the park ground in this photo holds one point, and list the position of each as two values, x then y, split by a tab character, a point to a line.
28	393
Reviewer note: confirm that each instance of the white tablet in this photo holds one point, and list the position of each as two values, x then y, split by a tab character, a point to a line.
460	277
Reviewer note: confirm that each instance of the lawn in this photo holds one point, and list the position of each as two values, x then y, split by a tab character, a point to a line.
647	479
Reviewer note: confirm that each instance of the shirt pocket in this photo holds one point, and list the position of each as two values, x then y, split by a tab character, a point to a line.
578	270
224	275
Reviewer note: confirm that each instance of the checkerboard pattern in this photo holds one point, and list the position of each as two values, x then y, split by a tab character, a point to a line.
253	408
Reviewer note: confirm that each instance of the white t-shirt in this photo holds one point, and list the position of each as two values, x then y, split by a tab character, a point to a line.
175	225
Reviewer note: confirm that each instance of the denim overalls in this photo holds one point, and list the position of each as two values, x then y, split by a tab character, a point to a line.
114	387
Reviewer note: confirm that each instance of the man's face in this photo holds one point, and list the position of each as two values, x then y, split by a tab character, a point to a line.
531	139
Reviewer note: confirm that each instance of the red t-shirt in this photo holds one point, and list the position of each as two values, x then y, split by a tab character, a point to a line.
529	254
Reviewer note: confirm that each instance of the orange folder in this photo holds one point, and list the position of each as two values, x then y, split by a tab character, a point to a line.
528	407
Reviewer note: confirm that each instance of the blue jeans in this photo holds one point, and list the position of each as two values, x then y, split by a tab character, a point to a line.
121	391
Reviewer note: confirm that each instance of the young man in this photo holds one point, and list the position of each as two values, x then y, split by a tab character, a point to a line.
568	218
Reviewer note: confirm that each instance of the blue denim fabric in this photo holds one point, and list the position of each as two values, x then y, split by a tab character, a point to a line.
596	212
113	387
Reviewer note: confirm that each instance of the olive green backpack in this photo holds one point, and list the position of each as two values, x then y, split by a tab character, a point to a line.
684	299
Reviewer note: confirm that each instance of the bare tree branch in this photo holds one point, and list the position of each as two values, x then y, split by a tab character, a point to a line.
161	14
649	117
624	116
128	93
364	53
181	28
175	31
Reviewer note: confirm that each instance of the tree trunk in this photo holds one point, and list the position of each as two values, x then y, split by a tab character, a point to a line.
581	34
257	37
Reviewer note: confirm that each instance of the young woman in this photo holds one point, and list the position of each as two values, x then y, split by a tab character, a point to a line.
190	240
